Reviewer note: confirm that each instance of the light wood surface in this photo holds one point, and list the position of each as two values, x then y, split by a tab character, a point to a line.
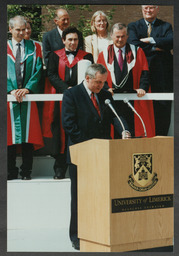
87	246
104	167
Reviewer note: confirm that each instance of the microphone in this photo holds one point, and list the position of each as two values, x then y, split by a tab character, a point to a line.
108	102
133	109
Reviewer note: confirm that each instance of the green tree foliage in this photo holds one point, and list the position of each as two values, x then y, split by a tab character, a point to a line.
31	11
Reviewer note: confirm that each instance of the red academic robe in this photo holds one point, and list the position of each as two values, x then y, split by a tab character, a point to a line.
137	63
48	109
23	125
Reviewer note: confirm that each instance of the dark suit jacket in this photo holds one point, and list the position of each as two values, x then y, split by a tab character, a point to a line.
160	62
80	119
52	41
55	80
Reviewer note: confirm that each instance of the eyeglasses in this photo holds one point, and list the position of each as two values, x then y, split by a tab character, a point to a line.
101	21
152	8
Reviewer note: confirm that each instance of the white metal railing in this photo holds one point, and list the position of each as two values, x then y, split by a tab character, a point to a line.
117	96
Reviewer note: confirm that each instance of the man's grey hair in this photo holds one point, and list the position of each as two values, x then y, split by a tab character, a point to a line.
119	26
94	68
156	6
16	19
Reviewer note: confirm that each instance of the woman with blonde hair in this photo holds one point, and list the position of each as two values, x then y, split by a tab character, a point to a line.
100	40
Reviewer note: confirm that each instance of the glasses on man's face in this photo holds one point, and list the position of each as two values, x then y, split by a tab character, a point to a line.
100	21
148	8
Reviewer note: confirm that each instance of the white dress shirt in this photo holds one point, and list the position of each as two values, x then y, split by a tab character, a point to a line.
89	91
60	31
70	59
14	50
116	50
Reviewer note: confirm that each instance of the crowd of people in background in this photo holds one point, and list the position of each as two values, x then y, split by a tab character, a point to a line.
126	59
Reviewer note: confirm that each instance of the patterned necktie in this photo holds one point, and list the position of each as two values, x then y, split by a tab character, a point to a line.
120	59
149	30
95	103
18	66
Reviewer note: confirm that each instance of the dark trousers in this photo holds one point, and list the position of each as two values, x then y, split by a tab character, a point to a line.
60	164
128	115
162	113
27	159
74	210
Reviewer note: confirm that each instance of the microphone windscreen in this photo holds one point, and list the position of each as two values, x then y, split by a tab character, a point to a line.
125	100
107	102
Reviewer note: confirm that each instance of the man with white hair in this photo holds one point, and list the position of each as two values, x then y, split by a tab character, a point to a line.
155	37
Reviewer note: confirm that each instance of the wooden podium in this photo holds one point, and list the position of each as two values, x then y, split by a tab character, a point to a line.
125	193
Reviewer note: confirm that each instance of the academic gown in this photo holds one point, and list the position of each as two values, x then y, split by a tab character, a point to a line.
136	63
59	80
23	125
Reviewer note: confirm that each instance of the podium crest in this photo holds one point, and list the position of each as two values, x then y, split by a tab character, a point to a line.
142	173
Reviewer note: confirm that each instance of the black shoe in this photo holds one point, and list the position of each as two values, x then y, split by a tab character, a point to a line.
59	177
27	177
13	174
76	244
12	177
59	174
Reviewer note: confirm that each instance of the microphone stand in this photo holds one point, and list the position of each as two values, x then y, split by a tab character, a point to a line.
133	109
108	102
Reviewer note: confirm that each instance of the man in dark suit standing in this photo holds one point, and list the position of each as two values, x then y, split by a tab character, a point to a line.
52	40
155	37
85	116
66	68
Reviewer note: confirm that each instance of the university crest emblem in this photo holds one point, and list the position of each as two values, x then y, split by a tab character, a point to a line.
142	178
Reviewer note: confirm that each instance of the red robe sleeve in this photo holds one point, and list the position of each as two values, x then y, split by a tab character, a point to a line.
143	107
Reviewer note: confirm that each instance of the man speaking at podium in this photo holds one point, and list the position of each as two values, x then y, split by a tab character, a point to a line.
86	115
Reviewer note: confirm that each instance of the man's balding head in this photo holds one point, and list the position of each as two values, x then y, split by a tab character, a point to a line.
62	19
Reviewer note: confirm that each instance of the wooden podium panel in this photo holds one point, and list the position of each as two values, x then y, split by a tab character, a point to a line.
112	215
93	190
